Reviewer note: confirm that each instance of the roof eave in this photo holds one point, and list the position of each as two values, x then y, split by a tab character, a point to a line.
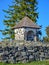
27	27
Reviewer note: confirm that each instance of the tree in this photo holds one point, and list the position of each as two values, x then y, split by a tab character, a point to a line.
46	38
39	33
16	12
47	31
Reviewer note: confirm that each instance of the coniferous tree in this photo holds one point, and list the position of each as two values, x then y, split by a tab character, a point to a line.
16	12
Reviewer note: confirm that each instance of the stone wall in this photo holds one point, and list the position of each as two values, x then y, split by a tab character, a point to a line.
24	53
30	29
19	34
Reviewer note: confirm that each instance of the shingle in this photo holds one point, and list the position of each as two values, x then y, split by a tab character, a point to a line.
26	22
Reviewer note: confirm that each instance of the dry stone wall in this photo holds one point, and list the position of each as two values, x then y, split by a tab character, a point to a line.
23	53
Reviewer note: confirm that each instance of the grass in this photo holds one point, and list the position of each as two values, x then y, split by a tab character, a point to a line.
31	63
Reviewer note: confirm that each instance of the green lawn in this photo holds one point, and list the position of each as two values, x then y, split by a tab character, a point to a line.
32	63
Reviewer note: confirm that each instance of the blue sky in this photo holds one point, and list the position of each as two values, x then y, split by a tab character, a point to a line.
43	9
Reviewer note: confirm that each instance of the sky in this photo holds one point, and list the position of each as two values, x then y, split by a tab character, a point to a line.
43	9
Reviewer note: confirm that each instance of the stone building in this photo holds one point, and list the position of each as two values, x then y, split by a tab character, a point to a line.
26	29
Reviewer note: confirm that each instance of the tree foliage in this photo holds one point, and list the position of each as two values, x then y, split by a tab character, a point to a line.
16	12
47	31
46	38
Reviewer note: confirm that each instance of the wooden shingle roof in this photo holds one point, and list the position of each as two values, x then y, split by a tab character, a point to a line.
26	22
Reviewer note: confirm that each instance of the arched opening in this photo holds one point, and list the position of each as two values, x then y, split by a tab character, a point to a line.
30	35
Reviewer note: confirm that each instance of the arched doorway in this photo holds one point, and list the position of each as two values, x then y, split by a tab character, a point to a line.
30	35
